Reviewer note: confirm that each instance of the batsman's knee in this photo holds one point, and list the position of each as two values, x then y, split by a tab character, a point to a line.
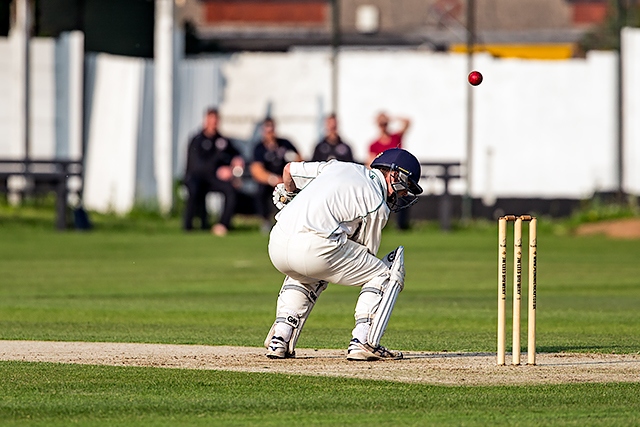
370	296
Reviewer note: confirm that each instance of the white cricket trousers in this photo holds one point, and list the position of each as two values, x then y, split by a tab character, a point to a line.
307	259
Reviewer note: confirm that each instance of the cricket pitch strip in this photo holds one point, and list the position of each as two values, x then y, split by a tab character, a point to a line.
443	368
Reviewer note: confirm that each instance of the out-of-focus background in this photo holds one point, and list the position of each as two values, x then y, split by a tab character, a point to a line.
107	93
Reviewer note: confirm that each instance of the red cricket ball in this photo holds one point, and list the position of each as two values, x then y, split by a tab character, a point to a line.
475	78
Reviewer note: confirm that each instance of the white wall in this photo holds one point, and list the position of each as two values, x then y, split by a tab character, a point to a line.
69	70
113	134
200	84
42	99
48	59
427	88
549	124
9	101
631	99
541	128
294	88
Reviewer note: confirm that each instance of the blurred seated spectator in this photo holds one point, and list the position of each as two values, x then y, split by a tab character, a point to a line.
213	164
270	156
332	146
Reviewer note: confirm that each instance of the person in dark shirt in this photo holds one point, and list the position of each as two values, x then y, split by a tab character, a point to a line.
332	146
212	164
270	156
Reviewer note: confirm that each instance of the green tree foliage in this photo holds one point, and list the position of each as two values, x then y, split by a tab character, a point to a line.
606	36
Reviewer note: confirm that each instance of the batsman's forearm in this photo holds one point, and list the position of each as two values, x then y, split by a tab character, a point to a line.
289	184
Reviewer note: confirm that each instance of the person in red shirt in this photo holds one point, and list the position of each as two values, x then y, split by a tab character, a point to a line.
387	140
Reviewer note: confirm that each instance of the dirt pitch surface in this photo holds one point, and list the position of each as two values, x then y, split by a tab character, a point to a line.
628	228
416	367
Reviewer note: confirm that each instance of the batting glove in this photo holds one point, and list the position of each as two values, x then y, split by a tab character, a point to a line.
281	196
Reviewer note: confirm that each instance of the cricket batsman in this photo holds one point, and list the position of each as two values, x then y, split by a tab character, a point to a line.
328	230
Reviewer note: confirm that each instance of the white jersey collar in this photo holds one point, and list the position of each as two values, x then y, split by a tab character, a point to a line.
379	176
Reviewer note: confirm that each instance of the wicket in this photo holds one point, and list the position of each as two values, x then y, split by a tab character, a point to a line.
517	286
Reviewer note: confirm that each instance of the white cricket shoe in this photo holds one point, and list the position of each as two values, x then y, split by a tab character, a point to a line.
277	349
360	351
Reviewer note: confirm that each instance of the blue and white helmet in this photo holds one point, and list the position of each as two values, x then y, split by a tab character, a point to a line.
409	171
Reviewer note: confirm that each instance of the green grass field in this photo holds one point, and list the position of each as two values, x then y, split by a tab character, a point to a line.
154	284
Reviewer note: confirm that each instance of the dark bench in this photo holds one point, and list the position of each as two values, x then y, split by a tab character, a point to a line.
42	176
445	171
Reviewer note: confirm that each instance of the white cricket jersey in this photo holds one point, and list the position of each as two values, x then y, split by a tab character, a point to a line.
338	200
